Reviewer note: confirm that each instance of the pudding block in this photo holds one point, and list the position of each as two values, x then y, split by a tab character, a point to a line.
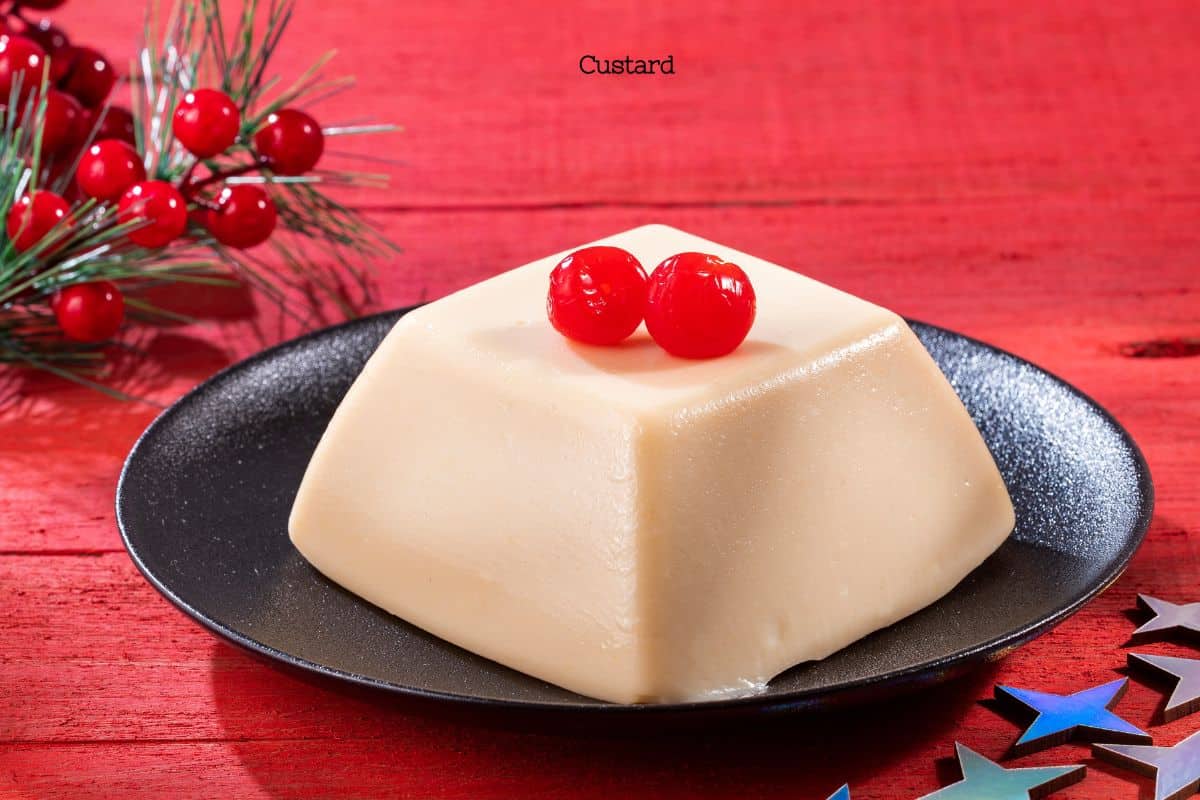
641	528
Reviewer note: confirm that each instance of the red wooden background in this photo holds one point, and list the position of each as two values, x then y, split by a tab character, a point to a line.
1026	173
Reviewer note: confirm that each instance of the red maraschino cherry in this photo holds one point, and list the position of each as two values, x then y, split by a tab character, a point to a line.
161	206
699	306
597	295
290	142
34	216
245	216
206	122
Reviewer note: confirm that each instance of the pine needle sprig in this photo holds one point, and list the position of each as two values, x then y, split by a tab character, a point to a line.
94	249
322	252
238	62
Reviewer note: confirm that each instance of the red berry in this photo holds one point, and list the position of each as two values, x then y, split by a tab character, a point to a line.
291	142
117	124
61	64
89	312
108	168
34	216
206	122
44	5
49	36
597	295
65	123
88	75
20	55
161	205
699	306
245	216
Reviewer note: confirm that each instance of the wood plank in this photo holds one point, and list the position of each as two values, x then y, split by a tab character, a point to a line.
771	101
789	763
105	689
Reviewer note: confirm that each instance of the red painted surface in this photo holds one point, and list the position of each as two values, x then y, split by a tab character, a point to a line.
1027	175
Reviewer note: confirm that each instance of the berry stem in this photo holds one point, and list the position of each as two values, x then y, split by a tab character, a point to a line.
186	180
189	187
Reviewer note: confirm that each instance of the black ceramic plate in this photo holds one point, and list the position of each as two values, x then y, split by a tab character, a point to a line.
204	498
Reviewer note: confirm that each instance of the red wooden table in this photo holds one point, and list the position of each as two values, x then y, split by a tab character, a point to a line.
1025	175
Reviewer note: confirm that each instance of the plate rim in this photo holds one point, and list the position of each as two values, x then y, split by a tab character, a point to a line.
949	666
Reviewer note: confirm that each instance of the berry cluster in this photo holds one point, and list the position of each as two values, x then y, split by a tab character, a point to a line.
695	305
36	57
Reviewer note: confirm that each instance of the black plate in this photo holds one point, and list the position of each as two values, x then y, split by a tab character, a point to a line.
204	498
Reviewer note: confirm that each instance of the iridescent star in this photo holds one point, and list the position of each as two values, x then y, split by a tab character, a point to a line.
987	780
841	794
1176	770
1168	617
1186	671
1085	715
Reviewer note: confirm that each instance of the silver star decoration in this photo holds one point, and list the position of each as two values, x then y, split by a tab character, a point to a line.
841	794
1186	671
987	780
1176	770
1168	617
1083	715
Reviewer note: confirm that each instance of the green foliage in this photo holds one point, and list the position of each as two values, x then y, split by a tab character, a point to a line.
322	251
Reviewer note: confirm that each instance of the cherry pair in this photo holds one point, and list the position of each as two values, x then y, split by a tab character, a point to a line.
695	305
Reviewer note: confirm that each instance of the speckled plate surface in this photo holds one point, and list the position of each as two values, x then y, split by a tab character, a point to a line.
204	498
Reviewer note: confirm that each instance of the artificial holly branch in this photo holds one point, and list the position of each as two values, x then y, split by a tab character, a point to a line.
211	160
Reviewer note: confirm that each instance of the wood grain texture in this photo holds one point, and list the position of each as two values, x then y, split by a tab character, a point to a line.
773	100
1025	173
